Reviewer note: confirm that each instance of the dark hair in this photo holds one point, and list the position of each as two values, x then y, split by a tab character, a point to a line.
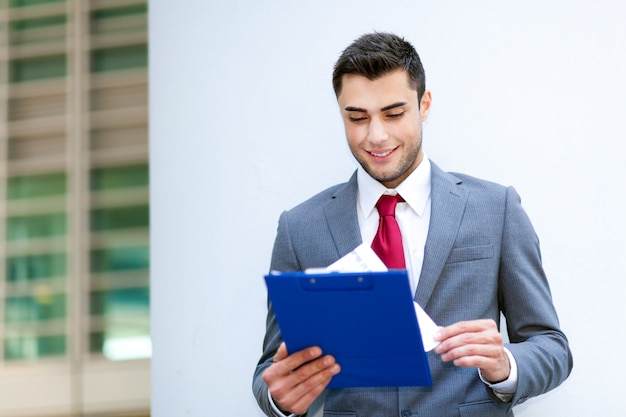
374	55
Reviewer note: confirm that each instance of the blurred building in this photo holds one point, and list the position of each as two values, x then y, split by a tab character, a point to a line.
74	213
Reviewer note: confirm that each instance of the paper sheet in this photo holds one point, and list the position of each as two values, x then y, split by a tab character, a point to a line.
364	259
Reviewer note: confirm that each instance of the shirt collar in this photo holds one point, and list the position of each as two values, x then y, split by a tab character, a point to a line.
415	189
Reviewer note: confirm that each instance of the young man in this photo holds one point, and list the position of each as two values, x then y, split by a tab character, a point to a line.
469	248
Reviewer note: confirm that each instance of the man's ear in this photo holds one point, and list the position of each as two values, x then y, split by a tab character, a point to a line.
425	104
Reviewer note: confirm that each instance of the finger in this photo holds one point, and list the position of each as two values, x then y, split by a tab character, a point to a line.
465	344
319	382
475	361
472	354
305	385
461	327
493	363
281	353
312	370
298	359
466	332
284	364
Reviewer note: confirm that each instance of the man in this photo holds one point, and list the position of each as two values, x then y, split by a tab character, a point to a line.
469	248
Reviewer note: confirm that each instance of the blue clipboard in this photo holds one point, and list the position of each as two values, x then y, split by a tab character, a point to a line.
365	320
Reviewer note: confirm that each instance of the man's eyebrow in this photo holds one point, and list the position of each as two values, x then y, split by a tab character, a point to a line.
394	105
389	107
351	108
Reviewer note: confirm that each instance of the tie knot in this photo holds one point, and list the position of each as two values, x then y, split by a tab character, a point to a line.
386	204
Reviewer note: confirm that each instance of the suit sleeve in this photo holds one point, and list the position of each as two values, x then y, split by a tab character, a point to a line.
540	348
283	259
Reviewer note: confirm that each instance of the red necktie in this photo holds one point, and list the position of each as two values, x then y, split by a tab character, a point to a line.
388	241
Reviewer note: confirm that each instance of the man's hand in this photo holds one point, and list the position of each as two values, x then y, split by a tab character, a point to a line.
296	380
475	344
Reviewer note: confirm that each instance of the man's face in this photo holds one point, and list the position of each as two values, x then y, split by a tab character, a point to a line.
383	123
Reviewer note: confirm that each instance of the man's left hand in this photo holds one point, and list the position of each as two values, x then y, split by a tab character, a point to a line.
475	344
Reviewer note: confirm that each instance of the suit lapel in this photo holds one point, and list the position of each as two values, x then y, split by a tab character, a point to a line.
342	218
448	201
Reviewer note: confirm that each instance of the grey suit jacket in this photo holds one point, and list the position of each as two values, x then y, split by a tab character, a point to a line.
481	259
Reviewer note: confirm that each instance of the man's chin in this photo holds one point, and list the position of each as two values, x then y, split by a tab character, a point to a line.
389	181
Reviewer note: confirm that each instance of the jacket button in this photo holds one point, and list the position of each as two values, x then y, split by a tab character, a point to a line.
405	413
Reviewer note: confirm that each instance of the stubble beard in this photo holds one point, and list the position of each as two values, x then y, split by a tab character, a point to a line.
404	168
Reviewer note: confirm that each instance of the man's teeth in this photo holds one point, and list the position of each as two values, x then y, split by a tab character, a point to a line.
381	154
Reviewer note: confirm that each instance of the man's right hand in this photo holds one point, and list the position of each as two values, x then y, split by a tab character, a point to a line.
296	380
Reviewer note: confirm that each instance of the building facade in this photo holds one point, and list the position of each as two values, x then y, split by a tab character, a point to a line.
74	208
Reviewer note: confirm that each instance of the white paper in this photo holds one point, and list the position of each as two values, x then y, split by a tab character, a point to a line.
427	327
364	259
361	259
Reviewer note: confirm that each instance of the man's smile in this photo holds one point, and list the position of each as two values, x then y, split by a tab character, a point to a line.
381	154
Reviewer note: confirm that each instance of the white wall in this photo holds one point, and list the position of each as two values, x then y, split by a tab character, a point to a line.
244	124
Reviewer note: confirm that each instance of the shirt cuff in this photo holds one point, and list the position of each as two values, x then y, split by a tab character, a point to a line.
277	412
504	389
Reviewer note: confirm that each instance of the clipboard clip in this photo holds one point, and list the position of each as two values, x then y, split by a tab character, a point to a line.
331	283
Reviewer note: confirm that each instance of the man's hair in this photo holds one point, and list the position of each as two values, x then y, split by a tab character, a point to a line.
374	55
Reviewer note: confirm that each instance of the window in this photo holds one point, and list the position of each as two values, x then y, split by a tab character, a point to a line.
119	58
38	68
119	177
24	3
122	19
30	347
120	262
30	186
38	30
120	259
115	218
36	267
40	307
35	305
36	226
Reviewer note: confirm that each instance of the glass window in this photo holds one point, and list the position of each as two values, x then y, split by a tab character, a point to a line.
24	3
120	12
119	58
36	267
43	29
129	18
38	68
43	306
122	342
36	186
42	225
119	177
120	329
119	218
125	329
41	22
120	303
34	347
120	259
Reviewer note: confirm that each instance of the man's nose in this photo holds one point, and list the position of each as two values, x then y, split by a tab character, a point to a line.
377	131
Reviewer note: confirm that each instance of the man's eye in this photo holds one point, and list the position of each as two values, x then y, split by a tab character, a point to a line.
357	119
395	115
